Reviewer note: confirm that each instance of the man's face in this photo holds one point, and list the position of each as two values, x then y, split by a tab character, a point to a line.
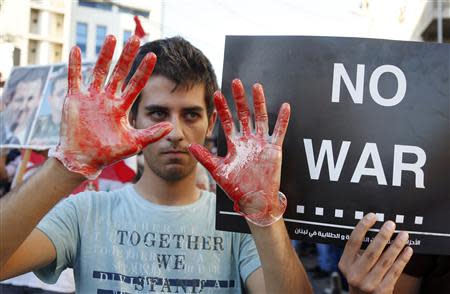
169	157
56	99
23	104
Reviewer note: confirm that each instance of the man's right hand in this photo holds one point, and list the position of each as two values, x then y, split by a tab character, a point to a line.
374	270
95	129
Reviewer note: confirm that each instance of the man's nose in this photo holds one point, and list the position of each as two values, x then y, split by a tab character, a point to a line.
176	135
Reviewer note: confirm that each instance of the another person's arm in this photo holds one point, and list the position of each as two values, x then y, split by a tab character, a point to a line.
407	284
424	273
250	175
374	270
84	149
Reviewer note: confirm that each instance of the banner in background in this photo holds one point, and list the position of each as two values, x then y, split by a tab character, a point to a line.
45	130
21	97
33	98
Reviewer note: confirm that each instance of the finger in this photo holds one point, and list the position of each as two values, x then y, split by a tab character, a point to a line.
208	160
241	106
74	75
138	80
390	279
372	253
224	114
123	65
356	238
281	125
259	103
154	133
387	259
102	66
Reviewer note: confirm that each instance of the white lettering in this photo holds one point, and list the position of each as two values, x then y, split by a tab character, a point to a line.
356	92
401	87
416	167
370	150
325	149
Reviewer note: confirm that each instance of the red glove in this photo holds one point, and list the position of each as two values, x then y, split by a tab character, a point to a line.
95	130
250	173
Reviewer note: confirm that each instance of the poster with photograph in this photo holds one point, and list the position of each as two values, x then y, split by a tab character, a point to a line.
369	132
21	97
45	131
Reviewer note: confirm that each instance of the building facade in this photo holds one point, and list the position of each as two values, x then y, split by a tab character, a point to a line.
414	20
32	32
428	23
43	31
91	21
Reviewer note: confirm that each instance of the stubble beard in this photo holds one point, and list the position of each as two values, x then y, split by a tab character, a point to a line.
170	174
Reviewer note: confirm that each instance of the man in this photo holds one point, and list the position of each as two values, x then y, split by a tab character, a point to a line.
158	235
46	130
19	110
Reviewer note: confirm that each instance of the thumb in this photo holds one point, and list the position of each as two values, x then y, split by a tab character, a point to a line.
154	133
208	160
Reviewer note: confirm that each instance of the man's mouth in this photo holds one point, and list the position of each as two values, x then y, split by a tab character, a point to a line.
181	151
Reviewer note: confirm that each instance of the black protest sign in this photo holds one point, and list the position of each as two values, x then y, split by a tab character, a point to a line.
369	132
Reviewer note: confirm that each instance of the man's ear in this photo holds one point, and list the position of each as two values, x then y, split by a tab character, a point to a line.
211	122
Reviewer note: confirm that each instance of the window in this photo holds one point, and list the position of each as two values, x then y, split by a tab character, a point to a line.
97	5
82	37
126	36
99	38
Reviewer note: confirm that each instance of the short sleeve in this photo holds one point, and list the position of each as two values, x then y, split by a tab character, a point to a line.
248	256
60	225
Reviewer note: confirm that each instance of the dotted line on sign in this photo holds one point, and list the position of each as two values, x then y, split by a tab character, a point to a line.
339	213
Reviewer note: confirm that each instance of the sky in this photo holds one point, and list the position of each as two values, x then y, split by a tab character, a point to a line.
206	22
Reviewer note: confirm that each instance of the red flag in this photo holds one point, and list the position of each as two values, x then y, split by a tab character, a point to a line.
139	30
111	178
119	171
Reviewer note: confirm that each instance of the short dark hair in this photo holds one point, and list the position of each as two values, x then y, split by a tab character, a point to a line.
181	62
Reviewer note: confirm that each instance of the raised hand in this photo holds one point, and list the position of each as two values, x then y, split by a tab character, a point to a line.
375	270
95	130
250	172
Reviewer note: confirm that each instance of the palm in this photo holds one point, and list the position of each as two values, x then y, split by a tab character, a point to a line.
259	165
97	126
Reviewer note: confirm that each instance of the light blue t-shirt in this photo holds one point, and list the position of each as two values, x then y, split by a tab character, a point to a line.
118	242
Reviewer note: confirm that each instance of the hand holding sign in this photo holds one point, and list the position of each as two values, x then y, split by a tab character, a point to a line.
375	270
95	130
250	172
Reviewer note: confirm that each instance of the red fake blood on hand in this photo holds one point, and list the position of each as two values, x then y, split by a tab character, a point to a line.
250	172
95	129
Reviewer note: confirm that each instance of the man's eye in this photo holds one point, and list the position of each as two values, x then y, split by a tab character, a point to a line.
157	115
192	115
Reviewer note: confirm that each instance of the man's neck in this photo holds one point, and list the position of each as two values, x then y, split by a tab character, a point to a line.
159	191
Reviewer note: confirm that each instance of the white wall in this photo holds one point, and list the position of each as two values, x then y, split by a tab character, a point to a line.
14	24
